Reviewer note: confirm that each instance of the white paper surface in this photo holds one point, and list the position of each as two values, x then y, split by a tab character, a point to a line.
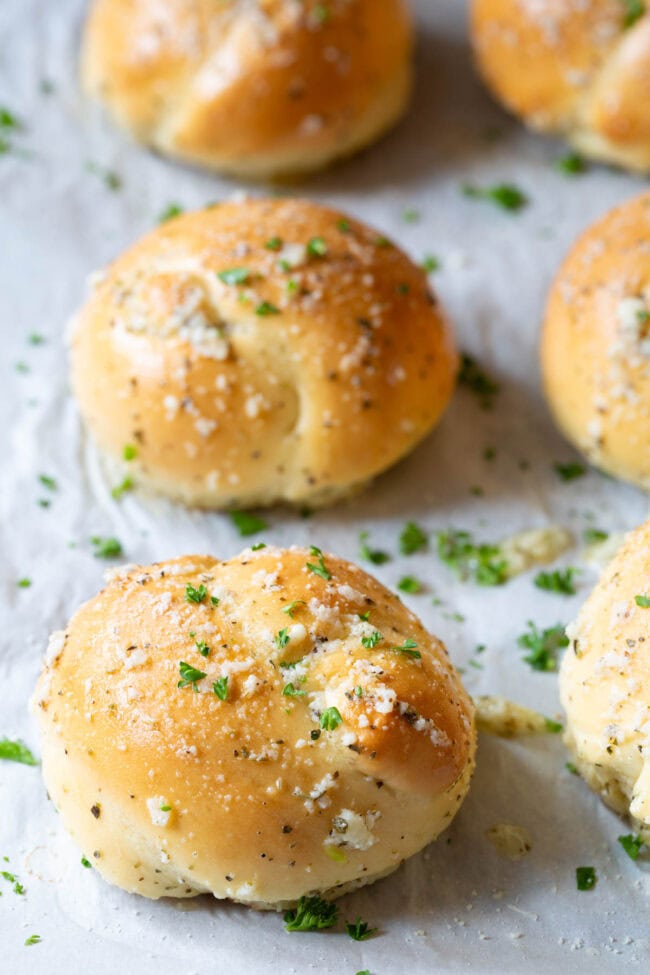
458	906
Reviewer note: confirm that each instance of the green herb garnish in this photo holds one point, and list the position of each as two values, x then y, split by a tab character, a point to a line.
642	601
281	638
572	164
126	484
543	646
482	563
585	878
330	719
106	548
360	931
34	939
408	649
234	275
594	535
316	247
311	914
291	608
171	210
412	539
290	690
85	862
569	472
632	845
504	195
477	380
194	594
267	308
320	569
189	675
16	751
220	688
409	584
374	555
560	581
371	641
247	524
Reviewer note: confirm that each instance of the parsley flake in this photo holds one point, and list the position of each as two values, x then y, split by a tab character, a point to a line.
311	914
504	195
631	844
569	472
330	719
171	210
473	376
408	649
482	563
266	308
633	11
291	608
412	539
543	646
106	548
126	484
34	939
189	675
409	584
220	688
129	451
360	930
560	581
320	569
234	275
585	878
372	640
374	555
48	482
24	583
642	601
16	751
85	862
594	535
281	638
573	164
195	594
316	247
273	244
430	264
247	524
290	690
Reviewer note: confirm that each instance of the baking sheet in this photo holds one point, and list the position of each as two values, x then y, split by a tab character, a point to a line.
457	906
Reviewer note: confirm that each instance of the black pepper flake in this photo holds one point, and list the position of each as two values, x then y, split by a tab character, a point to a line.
96	811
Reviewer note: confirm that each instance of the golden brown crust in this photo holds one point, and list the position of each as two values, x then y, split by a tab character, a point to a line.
350	366
578	68
264	804
605	681
595	345
253	88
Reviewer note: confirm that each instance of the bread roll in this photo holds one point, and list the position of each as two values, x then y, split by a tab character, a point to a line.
325	739
254	88
576	68
596	343
264	351
605	684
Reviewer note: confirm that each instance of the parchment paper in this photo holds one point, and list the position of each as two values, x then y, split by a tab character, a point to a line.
458	906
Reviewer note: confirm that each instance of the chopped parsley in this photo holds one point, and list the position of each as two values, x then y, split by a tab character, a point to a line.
430	263
311	914
16	751
330	719
111	179
189	675
316	247
171	210
126	484
374	555
543	646
408	649
35	338
632	845
48	482
85	862
585	878
258	546
504	195
569	472
273	244
553	727
642	601
195	594
201	646
478	381
371	641
34	939
320	569
290	690
24	583
291	608
267	308
344	226
482	563
220	688
360	930
409	584
410	215
560	581
633	11
129	451
247	524
106	548
594	535
570	767
412	539
281	638
234	275
573	164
